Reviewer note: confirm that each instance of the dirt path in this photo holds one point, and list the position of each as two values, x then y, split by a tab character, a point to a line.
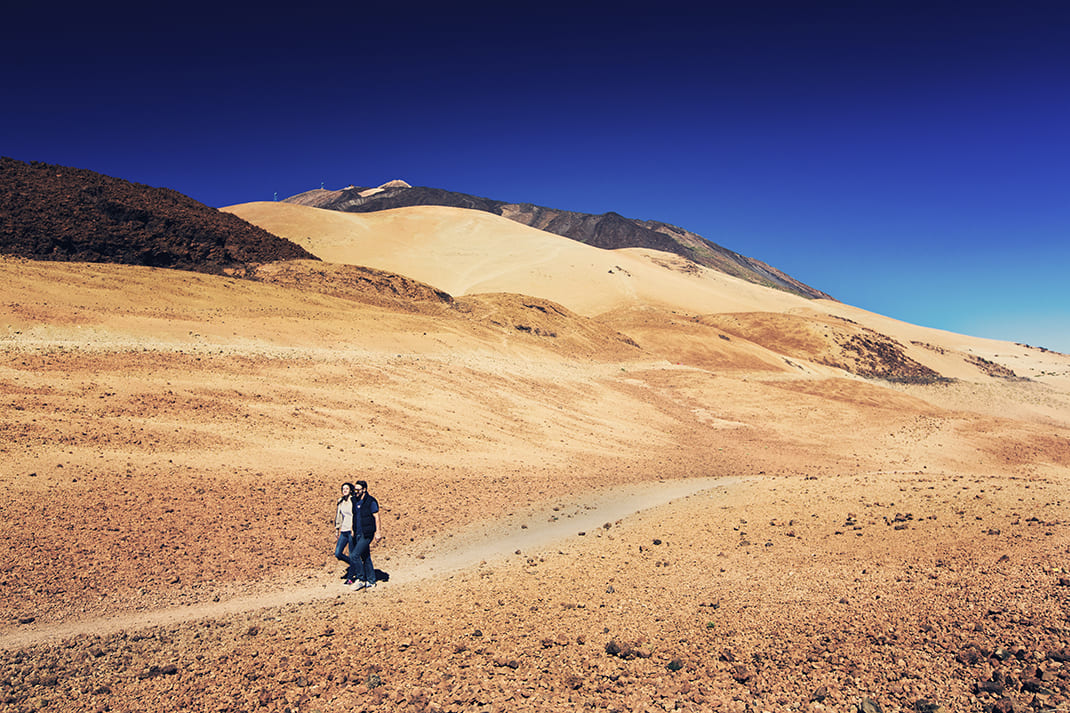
485	543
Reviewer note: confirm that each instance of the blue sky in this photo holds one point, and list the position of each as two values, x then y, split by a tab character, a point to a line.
908	158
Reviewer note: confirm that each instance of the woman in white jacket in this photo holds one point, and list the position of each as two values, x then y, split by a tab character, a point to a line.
343	526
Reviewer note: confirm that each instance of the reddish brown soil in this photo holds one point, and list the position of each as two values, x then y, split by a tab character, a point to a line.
172	445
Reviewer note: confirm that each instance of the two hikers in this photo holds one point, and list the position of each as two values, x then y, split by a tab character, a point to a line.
356	522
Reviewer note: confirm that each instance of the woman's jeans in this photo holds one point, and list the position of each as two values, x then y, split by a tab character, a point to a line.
362	560
346	539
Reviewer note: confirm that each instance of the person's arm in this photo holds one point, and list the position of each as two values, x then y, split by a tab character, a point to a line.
378	531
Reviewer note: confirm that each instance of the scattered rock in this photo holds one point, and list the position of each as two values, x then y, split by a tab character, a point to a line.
970	656
868	705
1003	705
627	650
1035	685
154	671
1060	655
741	673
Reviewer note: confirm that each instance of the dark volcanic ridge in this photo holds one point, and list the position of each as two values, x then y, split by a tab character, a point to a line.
50	212
609	230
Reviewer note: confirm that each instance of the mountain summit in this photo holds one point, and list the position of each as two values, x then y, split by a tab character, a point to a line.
608	230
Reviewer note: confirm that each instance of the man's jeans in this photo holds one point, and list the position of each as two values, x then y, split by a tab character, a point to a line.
362	560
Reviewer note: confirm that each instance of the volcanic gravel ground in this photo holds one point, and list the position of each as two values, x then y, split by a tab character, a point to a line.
173	444
917	591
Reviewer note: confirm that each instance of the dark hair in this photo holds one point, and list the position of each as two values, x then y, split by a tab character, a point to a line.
363	484
351	489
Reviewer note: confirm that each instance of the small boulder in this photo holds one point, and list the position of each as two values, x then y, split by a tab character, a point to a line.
868	705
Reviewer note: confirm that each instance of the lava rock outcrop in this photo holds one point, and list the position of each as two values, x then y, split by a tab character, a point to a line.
50	212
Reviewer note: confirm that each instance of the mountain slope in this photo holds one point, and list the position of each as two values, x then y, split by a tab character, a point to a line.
52	212
670	306
467	252
609	230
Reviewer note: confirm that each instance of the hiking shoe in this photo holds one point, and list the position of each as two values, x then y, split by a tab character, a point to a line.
369	585
357	586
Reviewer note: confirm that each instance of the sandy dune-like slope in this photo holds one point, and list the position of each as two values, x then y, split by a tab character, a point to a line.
467	252
713	496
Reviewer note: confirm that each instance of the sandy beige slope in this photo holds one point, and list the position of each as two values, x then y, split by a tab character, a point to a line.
466	252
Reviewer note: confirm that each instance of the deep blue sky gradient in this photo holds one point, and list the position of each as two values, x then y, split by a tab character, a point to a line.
909	158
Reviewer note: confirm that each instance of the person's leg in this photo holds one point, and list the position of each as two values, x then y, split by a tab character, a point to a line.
354	561
369	568
362	560
344	540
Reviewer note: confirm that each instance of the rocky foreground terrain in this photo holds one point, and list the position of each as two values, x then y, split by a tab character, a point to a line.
171	470
768	509
773	594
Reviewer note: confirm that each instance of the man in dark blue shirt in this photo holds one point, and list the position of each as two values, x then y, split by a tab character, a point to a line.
366	530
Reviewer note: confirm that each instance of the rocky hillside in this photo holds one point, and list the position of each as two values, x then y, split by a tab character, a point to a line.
609	230
52	212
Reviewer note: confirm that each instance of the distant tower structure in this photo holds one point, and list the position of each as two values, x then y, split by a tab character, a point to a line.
321	184
276	195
